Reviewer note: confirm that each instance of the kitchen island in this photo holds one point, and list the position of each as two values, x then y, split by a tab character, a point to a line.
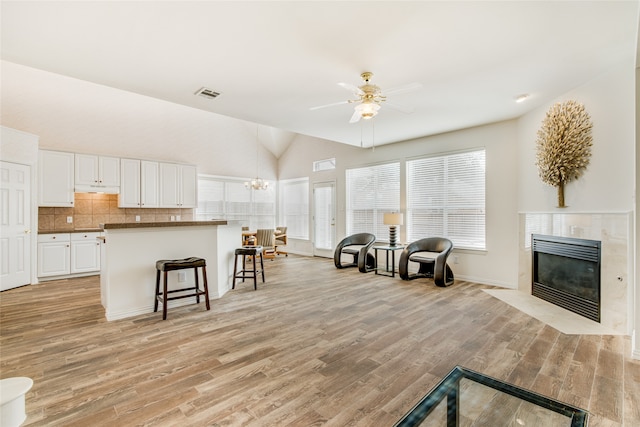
130	251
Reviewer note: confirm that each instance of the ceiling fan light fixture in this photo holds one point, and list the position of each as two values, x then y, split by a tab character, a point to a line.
367	110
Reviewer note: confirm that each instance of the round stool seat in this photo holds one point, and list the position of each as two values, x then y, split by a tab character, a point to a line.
249	250
179	264
12	407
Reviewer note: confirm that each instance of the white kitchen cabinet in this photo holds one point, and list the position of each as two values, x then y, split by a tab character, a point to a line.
178	186
55	178
139	184
54	252
85	252
129	196
62	254
97	171
149	184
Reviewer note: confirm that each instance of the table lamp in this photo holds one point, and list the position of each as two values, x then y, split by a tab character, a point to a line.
393	220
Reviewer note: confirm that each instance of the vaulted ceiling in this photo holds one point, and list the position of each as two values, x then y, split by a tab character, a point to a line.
271	61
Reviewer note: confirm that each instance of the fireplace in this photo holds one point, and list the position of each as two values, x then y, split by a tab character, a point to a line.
566	272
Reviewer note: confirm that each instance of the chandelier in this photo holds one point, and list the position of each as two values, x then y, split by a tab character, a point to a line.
257	183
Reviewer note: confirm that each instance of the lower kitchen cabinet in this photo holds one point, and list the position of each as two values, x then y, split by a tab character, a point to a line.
63	254
54	254
85	252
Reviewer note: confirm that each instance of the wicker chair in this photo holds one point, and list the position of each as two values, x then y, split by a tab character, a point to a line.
281	240
265	237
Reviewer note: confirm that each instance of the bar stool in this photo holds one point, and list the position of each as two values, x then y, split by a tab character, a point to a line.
253	252
167	265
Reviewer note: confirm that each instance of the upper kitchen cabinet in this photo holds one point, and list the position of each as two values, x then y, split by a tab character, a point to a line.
97	173
178	186
55	178
139	184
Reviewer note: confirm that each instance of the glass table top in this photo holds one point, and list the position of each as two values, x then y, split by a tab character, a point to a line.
468	398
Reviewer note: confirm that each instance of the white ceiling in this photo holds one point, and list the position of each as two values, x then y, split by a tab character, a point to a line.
273	60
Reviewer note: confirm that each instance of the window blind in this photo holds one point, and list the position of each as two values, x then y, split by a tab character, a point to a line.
446	198
294	207
228	198
371	192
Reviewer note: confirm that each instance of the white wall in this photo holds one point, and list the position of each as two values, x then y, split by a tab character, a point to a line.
608	182
78	116
498	265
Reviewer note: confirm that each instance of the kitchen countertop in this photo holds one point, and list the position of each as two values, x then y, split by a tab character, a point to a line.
75	230
121	225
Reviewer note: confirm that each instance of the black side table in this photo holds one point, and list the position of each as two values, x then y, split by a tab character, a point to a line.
387	271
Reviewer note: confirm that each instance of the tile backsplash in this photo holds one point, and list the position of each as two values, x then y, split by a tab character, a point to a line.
93	209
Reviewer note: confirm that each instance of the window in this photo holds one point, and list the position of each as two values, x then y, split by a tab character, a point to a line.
324	165
446	197
294	207
228	198
371	192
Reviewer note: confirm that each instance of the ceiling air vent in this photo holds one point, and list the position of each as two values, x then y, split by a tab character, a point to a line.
207	93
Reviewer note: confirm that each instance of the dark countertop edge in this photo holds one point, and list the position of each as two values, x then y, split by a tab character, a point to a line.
115	226
79	230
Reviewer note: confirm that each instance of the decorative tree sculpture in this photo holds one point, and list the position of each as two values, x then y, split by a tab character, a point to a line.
564	145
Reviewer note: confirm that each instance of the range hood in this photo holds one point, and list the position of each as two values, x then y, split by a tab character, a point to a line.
96	189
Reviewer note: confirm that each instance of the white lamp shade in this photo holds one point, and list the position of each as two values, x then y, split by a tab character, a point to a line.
367	109
393	218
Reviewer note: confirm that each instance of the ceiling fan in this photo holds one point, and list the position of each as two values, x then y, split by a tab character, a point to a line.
369	98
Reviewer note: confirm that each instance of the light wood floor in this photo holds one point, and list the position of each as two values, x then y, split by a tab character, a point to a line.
313	346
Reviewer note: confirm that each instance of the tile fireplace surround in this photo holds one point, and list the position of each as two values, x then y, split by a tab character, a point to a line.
614	230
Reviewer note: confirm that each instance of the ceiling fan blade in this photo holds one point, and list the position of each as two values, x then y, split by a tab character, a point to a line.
403	89
328	105
401	108
355	89
356	117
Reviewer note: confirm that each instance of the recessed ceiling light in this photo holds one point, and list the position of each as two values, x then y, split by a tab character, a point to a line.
523	97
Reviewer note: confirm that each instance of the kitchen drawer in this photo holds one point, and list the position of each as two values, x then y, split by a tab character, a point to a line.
77	237
54	237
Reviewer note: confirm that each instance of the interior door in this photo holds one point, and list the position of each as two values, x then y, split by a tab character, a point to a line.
15	221
324	219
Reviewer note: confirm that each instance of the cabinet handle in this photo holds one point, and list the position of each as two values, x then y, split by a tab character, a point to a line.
54	237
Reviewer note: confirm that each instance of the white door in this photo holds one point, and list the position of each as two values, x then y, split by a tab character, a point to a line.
15	212
324	219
